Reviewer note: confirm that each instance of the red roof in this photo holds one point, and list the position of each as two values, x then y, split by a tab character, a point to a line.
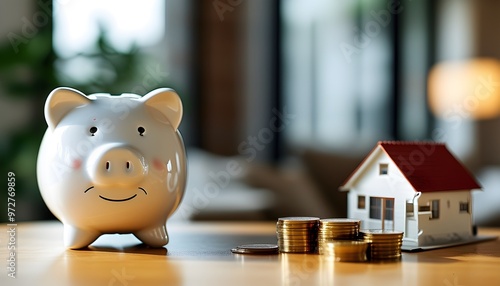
428	166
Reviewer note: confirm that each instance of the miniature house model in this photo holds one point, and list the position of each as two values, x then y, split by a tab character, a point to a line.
418	188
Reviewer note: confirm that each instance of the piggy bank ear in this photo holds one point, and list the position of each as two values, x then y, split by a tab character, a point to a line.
60	102
165	106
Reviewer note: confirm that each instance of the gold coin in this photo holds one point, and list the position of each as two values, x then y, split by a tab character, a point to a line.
345	250
297	219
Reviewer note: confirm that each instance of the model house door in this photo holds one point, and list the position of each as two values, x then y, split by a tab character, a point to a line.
382	213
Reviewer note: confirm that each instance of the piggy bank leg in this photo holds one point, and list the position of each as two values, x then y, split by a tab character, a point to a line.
155	237
75	238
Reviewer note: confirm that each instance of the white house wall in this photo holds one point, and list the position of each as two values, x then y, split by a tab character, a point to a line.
457	224
371	184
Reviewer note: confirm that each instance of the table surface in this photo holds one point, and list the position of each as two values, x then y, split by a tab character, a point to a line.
199	254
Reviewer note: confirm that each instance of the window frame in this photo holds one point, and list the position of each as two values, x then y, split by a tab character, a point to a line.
379	204
461	210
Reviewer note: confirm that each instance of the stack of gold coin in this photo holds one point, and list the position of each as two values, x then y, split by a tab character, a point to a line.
337	229
384	244
345	250
297	234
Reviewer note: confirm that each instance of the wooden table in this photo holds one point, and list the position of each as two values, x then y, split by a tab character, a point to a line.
199	254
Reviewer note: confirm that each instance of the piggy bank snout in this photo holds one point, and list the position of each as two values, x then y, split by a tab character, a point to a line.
115	164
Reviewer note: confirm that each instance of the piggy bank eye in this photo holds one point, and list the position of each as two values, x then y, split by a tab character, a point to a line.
141	130
93	130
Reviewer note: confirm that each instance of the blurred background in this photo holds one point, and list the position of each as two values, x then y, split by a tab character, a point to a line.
294	93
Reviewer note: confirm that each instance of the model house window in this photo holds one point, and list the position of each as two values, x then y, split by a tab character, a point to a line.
376	208
383	169
361	202
423	209
409	209
379	205
389	209
434	209
464	207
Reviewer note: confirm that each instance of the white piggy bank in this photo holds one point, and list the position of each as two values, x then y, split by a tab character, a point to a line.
112	164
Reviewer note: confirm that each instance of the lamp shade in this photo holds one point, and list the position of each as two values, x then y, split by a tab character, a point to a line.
469	89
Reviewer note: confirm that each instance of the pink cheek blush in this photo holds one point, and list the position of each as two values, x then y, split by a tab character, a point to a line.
76	164
158	165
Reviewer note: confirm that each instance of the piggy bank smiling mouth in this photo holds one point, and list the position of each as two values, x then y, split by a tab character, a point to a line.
117	200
